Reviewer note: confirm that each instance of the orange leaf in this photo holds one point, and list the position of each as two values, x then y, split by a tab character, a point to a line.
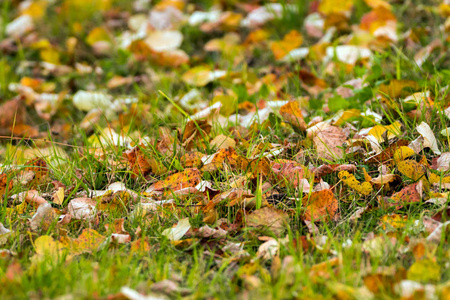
321	205
137	161
290	41
409	194
291	112
217	160
178	181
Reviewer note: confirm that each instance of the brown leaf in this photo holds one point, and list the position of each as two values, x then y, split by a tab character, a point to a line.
269	219
33	197
289	172
11	112
223	142
195	132
327	142
43	217
39	168
388	181
192	159
82	208
387	154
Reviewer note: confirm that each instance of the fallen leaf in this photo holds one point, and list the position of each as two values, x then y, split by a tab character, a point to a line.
223	142
425	270
320	206
58	196
291	112
364	188
187	178
408	195
328	142
177	232
87	242
429	138
43	218
393	221
443	162
388	181
138	161
82	208
290	41
217	160
411	169
268	220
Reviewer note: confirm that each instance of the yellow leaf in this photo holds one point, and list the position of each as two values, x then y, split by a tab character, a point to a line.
402	153
187	178
425	271
50	55
378	3
335	7
96	35
201	76
411	169
291	112
398	88
393	130
89	240
396	221
290	41
113	201
58	197
364	188
41	44
342	117
433	178
36	9
46	247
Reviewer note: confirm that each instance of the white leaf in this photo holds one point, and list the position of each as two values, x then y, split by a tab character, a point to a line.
164	40
429	138
82	208
347	53
175	234
87	100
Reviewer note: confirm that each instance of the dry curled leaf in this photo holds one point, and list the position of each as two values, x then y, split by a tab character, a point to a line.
195	132
137	161
291	112
192	159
